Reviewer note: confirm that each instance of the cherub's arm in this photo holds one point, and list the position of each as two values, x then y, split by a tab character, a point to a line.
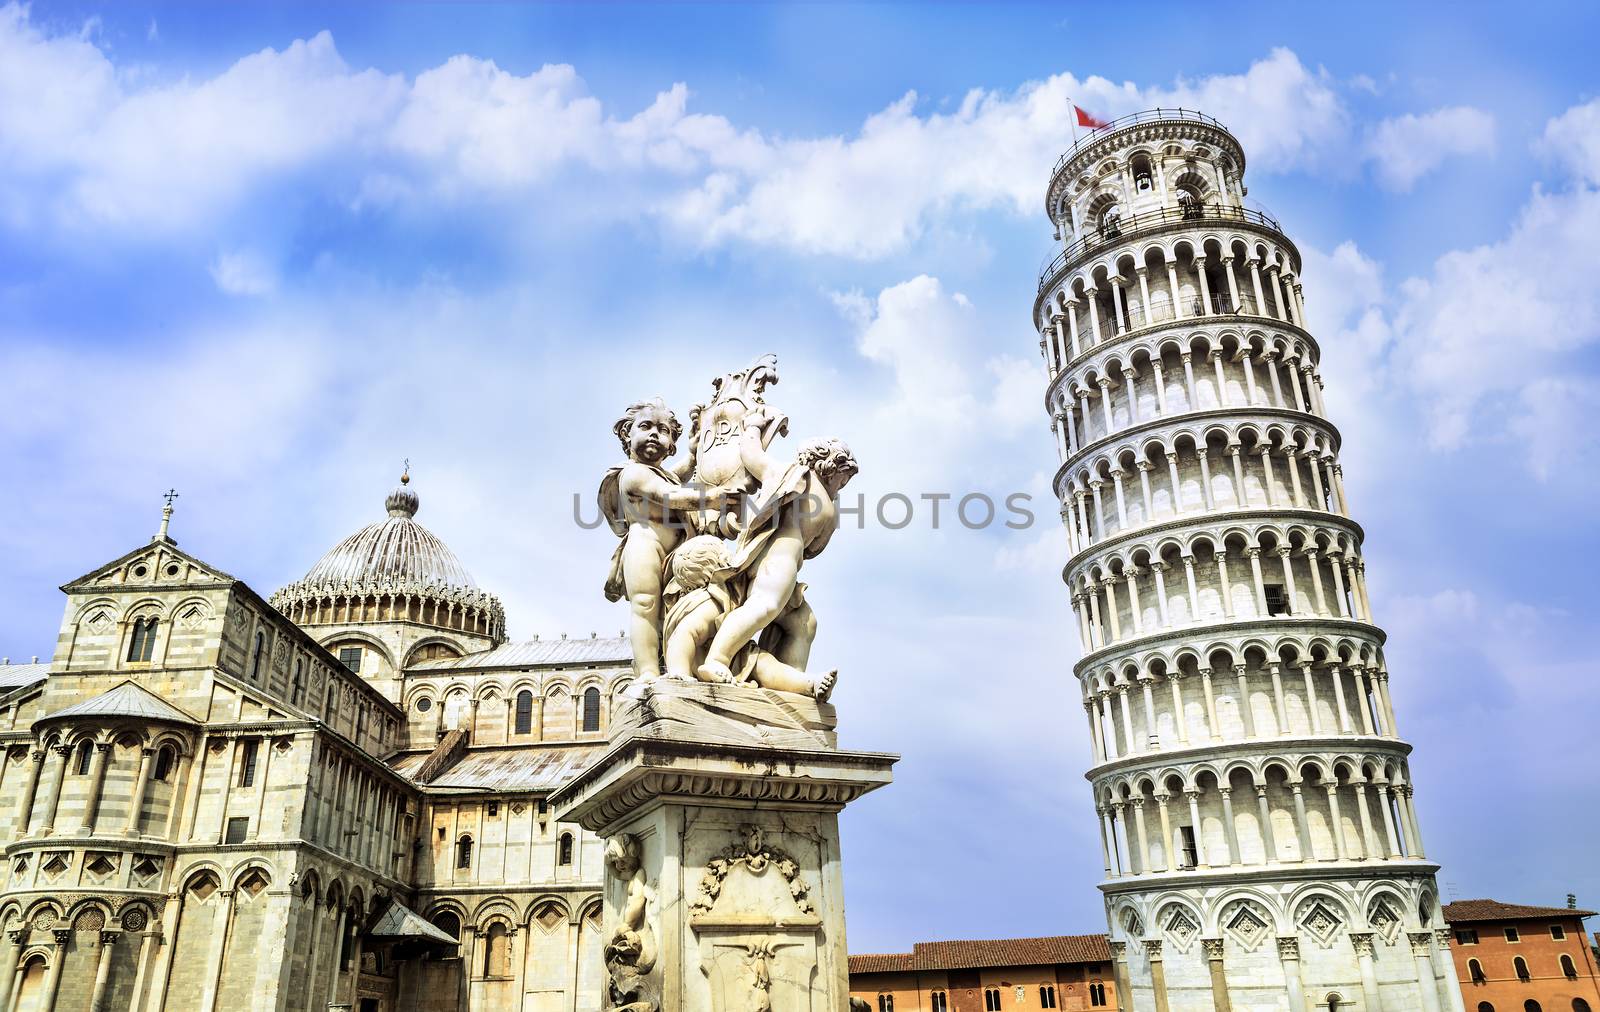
753	451
643	482
685	469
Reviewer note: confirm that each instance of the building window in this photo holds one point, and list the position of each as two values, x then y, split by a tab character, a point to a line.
494	809
937	1003
424	704
247	762
544	806
1568	968
350	657
1558	932
991	999
1047	996
1531	1006
564	849
164	760
237	828
1512	935
255	656
1097	994
885	1003
85	756
464	852
448	923
497	952
524	723
1484	1006
1521	966
143	642
297	691
591	709
1579	1005
1191	853
1466	936
1277	600
1475	971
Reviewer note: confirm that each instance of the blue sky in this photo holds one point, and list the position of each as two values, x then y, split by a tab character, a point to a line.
262	255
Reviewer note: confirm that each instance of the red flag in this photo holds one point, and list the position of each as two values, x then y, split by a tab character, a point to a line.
1086	120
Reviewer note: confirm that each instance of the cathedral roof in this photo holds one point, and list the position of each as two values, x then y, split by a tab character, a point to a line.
538	653
18	676
128	699
400	921
507	768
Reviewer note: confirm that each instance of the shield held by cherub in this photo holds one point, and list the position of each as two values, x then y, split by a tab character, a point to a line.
737	396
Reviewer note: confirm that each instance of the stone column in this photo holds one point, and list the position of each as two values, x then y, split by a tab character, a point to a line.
10	956
1388	822
219	952
1311	698
97	783
1144	838
141	785
1270	845
53	796
1211	704
52	980
1422	953
157	999
1255	283
102	971
1158	973
1245	713
1233	283
1168	851
1190	390
1180	722
1365	812
1219	978
147	944
1254	555
734	826
1119	971
1105	844
1362	940
1301	824
1205	285
1445	970
1199	829
1289	958
1072	327
1336	820
1144	293
1229	830
29	790
1280	706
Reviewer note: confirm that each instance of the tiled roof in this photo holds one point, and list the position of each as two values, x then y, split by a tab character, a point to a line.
127	699
537	654
962	955
1494	910
16	676
508	768
400	921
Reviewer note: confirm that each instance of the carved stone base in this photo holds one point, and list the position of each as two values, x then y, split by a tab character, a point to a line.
732	796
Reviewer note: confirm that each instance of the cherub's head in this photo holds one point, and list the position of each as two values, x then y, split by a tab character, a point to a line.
697	563
622	855
831	460
648	431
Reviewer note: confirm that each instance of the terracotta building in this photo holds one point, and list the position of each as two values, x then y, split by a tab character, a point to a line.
1061	972
1514	958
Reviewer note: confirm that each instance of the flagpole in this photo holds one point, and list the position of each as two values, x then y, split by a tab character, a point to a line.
1072	117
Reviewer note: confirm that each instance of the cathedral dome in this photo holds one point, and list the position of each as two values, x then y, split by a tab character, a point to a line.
393	569
397	550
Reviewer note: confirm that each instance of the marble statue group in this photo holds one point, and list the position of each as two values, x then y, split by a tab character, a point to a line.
711	547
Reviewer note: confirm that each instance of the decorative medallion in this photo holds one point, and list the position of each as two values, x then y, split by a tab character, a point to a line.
753	853
1384	920
1246	923
1317	918
134	920
1181	928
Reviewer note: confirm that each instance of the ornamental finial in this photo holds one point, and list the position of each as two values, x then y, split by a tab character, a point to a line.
166	514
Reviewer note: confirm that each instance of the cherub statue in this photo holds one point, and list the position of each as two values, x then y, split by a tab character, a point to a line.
630	954
648	507
698	597
796	517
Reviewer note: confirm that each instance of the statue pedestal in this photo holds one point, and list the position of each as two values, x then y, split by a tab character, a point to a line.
720	808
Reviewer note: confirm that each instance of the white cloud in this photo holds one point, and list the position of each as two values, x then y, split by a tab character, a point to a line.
1574	139
1406	148
243	272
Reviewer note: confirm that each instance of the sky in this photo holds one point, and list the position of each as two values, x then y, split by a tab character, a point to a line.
264	255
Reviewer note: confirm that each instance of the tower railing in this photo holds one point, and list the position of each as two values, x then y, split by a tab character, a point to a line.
1147	116
1124	228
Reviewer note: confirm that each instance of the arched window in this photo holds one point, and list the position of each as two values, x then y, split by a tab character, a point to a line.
1484	1006
885	1003
938	1002
331	706
1047	996
447	922
564	849
497	952
591	709
255	656
464	852
991	999
1335	1003
1110	225
1475	971
1579	1005
1097	994
524	712
1532	1006
297	690
1521	966
142	644
249	750
85	756
1569	970
164	760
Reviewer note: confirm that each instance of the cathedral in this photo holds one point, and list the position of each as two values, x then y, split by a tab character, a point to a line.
332	798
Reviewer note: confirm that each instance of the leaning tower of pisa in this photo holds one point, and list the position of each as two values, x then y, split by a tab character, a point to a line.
1254	797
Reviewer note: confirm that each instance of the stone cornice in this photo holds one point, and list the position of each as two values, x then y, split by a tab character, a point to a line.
1210	522
1152	130
1210	632
1283	871
1222	752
